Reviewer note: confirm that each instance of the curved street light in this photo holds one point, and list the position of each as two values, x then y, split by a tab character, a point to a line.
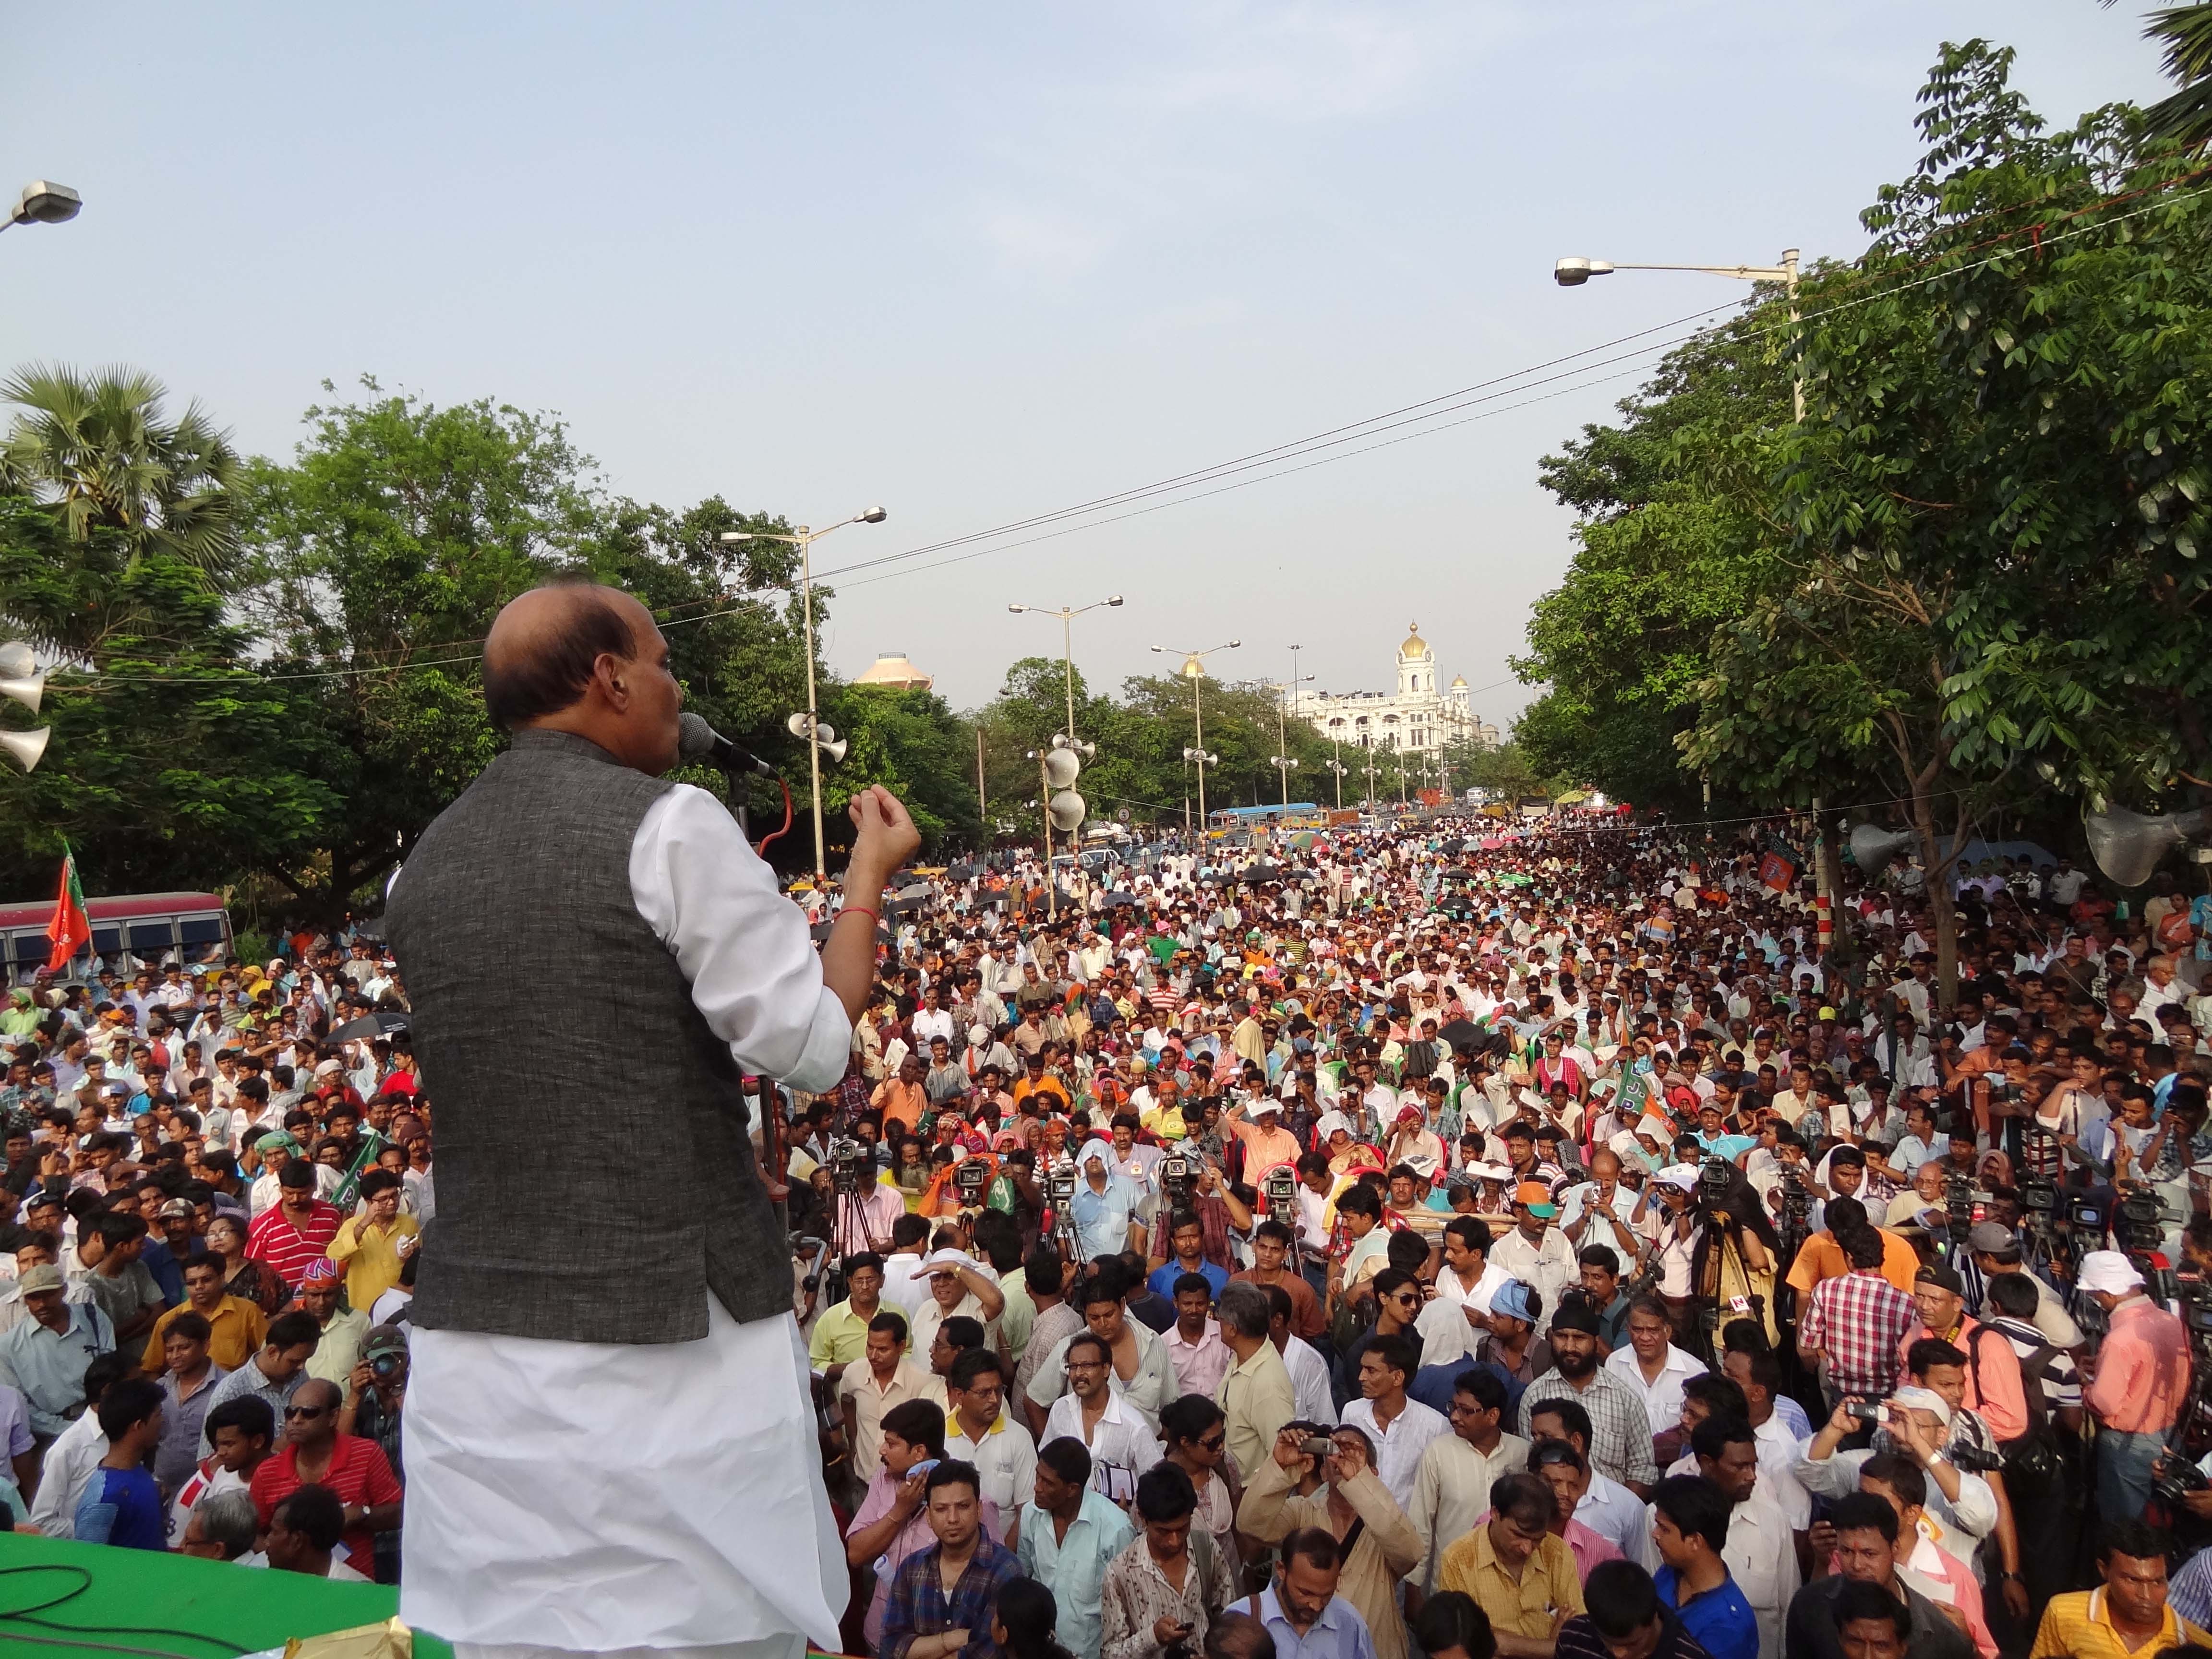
42	201
1067	615
1193	669
804	538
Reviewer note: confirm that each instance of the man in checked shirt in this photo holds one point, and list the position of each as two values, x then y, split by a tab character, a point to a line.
1852	1326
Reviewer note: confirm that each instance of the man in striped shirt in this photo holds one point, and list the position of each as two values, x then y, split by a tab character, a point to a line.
297	1230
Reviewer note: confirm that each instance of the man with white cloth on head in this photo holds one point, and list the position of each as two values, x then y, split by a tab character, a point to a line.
612	1448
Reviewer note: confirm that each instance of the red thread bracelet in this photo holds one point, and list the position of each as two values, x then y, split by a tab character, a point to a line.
860	910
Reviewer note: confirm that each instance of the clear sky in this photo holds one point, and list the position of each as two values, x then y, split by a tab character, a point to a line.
980	263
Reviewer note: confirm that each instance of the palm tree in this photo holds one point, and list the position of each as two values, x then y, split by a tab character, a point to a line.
97	449
2187	33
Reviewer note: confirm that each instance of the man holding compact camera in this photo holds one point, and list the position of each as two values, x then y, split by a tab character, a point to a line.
376	1392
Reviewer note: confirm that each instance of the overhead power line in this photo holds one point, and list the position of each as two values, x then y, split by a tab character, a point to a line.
1340	442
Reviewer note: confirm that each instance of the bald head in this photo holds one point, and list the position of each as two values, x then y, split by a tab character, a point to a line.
578	657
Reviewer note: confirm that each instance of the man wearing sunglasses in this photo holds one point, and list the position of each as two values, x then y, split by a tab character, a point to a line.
350	1466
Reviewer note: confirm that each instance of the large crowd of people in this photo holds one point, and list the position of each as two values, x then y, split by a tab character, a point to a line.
1419	1238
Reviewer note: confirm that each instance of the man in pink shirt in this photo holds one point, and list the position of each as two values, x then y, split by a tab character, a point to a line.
1994	1391
2142	1375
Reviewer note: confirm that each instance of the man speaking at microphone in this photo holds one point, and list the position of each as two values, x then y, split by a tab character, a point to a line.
611	1443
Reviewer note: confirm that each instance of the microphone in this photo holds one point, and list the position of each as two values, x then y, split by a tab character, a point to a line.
701	741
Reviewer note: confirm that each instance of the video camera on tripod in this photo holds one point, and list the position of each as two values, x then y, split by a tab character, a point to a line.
851	1169
1280	1186
1056	1220
970	1176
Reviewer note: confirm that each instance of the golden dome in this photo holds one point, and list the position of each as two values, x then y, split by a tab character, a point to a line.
1415	646
1459	683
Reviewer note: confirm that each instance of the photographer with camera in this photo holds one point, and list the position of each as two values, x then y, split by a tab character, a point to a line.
1916	1422
868	1205
2141	1378
1378	1543
375	1393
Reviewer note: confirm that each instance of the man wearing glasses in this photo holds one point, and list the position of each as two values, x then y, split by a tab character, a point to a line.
353	1467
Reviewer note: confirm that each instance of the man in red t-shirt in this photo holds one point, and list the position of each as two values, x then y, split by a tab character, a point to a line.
297	1228
353	1467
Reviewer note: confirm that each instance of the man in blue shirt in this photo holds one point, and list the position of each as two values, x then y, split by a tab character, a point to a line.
1689	1529
1104	1205
1068	1537
1302	1611
45	1355
1187	1239
121	1504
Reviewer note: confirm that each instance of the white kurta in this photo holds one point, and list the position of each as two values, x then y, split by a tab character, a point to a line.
631	1498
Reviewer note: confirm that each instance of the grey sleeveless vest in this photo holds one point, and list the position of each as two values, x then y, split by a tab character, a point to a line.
595	1177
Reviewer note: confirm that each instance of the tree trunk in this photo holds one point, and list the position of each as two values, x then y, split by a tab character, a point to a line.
1936	885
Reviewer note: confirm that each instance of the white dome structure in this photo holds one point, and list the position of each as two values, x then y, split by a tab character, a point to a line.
891	669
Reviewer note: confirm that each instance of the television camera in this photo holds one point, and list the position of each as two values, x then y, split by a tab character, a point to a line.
851	1169
1056	1221
970	1177
1179	1179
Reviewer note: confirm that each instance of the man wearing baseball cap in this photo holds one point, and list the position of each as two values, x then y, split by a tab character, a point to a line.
1536	1252
2143	1376
1993	1384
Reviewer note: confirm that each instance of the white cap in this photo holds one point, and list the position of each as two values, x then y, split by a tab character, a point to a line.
947	1259
2107	1271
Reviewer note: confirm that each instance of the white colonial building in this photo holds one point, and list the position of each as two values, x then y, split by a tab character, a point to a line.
1423	716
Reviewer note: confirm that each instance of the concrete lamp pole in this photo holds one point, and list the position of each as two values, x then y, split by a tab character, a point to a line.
1573	272
804	539
1193	669
1067	615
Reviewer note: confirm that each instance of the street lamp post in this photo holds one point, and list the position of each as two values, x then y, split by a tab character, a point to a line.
804	538
42	201
1285	763
1573	272
1193	669
1067	615
1340	768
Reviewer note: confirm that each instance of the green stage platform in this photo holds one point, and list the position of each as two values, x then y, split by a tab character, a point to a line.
125	1594
173	1606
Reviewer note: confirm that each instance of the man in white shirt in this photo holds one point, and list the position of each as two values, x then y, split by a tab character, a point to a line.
1398	1428
979	1430
510	1540
1652	1365
1311	1395
1122	1444
1761	1553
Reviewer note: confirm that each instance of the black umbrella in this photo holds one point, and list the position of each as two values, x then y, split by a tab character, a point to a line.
381	1023
1261	872
1119	899
964	871
1459	1033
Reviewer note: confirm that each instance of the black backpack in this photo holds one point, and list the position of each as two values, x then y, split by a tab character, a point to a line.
2034	1454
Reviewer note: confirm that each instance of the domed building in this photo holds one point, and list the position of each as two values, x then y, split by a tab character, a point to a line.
891	669
1422	716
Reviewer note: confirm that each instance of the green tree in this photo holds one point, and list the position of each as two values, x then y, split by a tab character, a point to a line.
173	762
1671	534
99	450
381	554
1995	508
2186	34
